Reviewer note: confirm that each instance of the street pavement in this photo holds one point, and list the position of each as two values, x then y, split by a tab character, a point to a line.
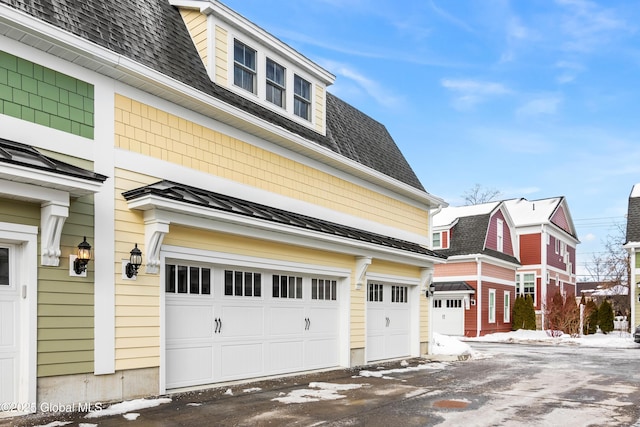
503	385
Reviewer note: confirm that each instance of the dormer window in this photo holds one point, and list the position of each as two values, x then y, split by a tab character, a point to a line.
276	86
302	97
244	66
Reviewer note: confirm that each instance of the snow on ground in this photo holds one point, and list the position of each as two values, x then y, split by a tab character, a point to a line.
611	340
127	406
56	424
251	390
384	373
317	391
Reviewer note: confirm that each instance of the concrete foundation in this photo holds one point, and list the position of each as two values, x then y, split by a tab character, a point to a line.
357	357
89	389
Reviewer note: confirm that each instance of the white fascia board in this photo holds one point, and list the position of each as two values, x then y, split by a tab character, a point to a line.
455	293
172	212
75	186
631	245
482	257
133	73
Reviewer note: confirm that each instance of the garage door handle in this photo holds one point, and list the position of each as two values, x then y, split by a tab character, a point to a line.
218	327
388	322
307	323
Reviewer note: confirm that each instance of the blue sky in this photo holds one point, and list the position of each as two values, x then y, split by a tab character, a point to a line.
534	98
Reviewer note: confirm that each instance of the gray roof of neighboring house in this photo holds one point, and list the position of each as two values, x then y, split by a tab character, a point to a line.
453	286
23	155
468	238
211	200
153	33
633	220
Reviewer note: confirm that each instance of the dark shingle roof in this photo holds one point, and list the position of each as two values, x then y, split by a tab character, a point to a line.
220	202
153	33
633	220
453	286
468	238
24	155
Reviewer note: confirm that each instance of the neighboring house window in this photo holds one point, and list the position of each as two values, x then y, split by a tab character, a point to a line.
437	240
244	67
507	307
287	286
183	279
557	246
301	98
528	285
242	283
275	83
323	289
4	266
492	306
500	235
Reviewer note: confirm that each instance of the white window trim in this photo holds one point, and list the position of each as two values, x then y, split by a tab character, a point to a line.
492	308
507	307
500	235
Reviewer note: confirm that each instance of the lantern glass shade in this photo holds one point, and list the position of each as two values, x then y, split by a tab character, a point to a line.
136	256
83	257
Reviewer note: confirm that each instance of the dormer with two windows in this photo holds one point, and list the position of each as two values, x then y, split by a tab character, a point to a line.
245	59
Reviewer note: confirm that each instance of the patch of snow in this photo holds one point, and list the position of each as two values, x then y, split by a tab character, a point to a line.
444	345
229	392
131	416
321	391
384	374
251	390
416	392
404	363
56	424
194	404
87	425
611	340
127	406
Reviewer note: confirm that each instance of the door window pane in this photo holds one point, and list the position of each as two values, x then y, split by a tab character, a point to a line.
4	266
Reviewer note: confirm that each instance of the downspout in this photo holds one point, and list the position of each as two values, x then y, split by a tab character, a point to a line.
479	297
633	288
432	213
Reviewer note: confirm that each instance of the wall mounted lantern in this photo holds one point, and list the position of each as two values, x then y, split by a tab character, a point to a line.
431	290
83	257
135	261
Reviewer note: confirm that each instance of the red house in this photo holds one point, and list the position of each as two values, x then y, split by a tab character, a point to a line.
476	287
547	240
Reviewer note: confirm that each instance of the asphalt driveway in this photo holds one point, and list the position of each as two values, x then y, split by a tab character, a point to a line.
505	385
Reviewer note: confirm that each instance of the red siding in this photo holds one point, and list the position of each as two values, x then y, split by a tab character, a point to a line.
445	240
470	316
499	325
530	249
560	219
492	236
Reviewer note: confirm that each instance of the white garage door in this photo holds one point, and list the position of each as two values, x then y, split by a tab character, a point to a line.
448	315
9	327
388	321
225	324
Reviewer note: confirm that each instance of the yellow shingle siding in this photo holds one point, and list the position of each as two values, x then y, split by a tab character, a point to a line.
196	23
222	52
320	107
155	133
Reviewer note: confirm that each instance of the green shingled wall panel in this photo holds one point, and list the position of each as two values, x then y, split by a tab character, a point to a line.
44	96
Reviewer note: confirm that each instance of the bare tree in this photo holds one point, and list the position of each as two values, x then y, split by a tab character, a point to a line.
612	269
479	194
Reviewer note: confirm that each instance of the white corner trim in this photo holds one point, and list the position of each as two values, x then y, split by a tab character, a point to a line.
154	232
426	278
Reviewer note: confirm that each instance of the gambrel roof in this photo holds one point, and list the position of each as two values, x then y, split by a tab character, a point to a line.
553	210
152	33
633	217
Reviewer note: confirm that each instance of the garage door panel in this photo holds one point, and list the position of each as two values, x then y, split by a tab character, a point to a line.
240	321
286	321
320	353
241	360
388	321
286	355
189	321
448	316
189	365
323	320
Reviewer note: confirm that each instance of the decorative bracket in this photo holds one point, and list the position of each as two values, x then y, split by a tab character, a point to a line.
426	278
362	263
154	232
52	218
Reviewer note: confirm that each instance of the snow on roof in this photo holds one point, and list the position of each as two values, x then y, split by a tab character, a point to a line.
528	212
635	192
449	214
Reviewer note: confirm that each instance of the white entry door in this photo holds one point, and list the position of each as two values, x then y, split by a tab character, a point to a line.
388	321
448	315
225	324
9	327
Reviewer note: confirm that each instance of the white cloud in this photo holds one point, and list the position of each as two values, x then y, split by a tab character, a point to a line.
472	92
540	106
450	18
589	237
373	89
568	71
